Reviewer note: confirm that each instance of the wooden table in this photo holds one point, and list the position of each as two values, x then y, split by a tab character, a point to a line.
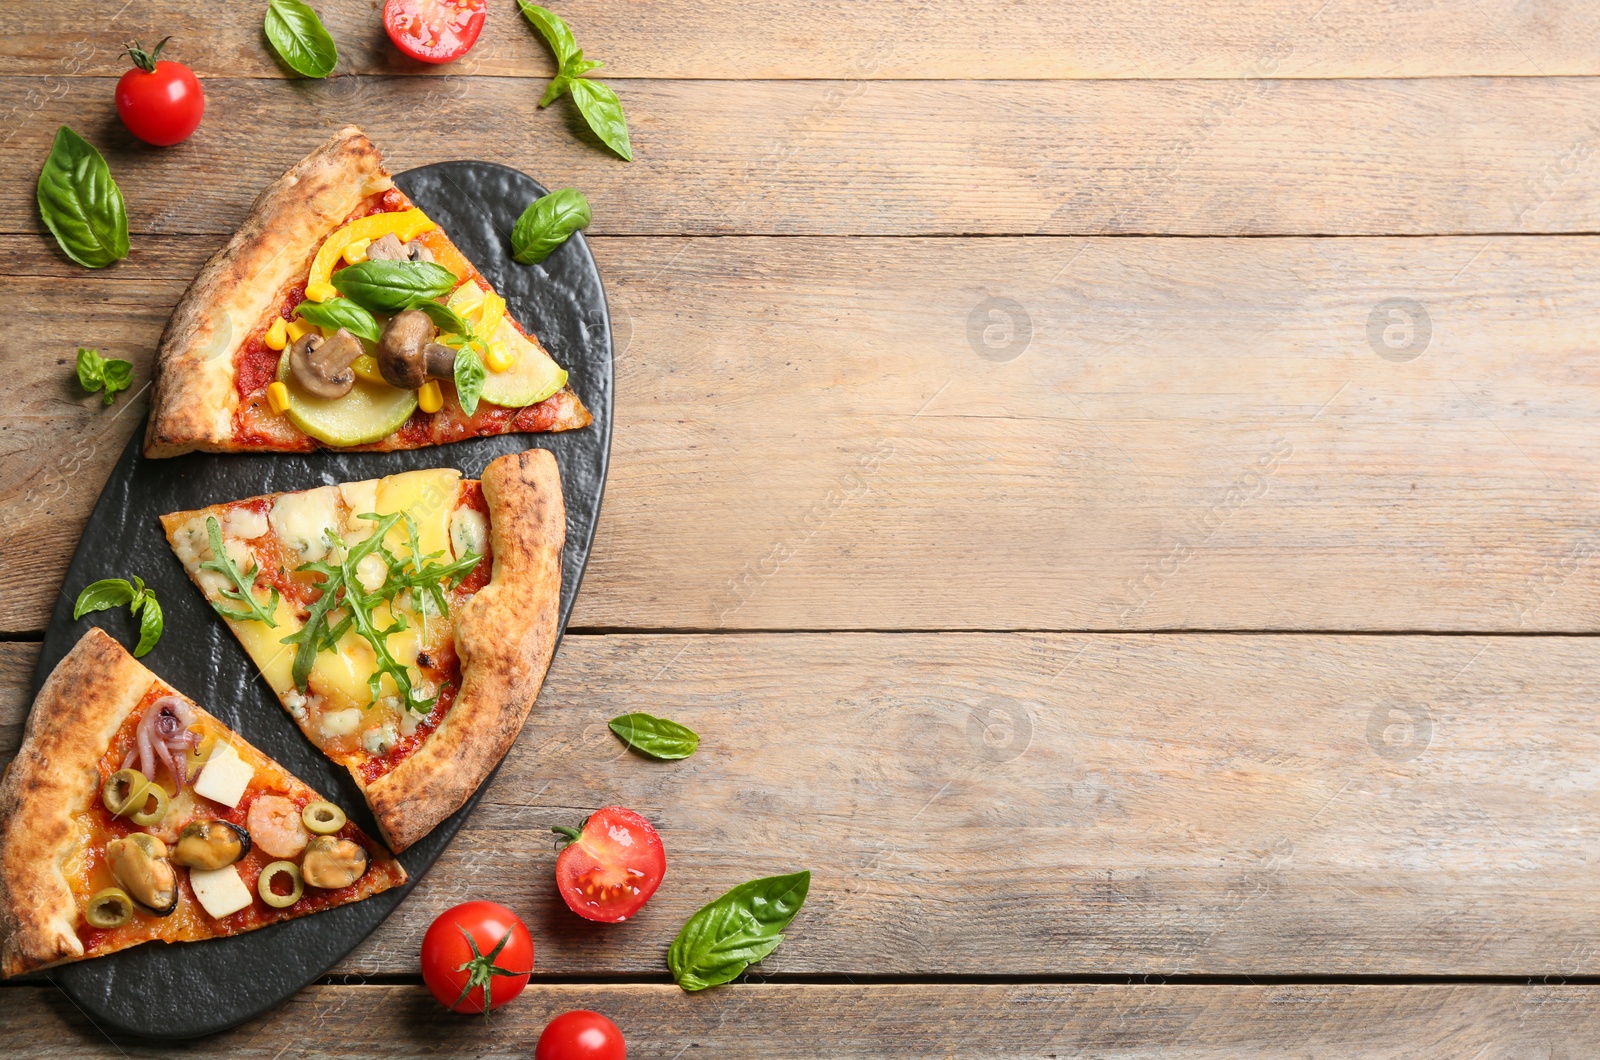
1113	484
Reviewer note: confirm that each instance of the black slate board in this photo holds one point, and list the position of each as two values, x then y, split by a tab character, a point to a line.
192	989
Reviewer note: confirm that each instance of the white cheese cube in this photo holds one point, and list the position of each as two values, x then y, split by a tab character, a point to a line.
341	722
224	777
221	891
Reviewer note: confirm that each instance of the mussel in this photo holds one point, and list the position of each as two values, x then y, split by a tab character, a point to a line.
140	864
331	863
210	844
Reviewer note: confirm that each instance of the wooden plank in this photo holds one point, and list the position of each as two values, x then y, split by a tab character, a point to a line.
806	1021
812	433
1435	156
937	39
1030	804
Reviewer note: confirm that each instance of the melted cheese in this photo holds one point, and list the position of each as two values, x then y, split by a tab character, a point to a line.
299	520
430	497
265	646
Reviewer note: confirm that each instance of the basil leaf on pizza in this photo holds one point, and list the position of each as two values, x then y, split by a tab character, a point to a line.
81	204
445	318
344	313
392	286
470	376
372	588
300	39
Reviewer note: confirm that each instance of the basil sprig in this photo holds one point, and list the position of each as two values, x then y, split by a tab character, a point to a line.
656	737
456	332
300	38
116	592
470	375
548	222
391	286
99	373
444	318
735	931
81	204
341	313
597	103
243	591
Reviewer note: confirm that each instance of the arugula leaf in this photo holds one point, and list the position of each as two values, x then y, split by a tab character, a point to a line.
81	203
116	592
96	373
314	636
728	935
656	737
603	111
391	286
547	223
597	103
300	39
341	313
445	319
470	376
244	586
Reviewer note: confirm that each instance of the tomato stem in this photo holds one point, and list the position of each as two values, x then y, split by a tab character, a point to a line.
146	60
481	970
571	835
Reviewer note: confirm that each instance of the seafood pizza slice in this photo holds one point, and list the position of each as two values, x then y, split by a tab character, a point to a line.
131	815
405	623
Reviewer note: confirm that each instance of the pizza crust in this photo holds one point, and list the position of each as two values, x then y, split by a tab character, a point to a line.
195	398
505	637
54	777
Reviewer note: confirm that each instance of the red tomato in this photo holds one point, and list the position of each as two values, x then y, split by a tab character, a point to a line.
434	31
611	868
581	1035
474	951
159	101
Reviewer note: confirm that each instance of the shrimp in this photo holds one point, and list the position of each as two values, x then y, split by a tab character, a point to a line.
275	826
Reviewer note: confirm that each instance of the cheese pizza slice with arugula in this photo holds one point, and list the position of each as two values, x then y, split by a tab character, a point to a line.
340	315
132	815
406	623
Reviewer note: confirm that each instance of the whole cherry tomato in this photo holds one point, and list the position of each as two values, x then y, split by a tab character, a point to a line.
613	863
581	1035
476	952
159	101
434	31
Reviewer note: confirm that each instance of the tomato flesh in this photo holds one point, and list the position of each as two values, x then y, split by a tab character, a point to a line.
610	871
445	949
434	31
581	1035
161	107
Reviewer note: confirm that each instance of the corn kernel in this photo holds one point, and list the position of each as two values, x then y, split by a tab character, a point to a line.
430	398
297	328
278	334
356	252
321	292
499	358
366	367
278	397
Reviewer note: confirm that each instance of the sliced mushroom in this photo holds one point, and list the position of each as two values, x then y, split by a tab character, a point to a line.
210	844
331	863
322	365
407	356
139	862
389	248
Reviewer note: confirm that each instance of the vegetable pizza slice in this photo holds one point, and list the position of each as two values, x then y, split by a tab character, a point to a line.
132	815
406	623
340	315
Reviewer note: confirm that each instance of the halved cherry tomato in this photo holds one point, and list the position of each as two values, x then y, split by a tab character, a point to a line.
434	31
159	101
581	1035
613	863
476	952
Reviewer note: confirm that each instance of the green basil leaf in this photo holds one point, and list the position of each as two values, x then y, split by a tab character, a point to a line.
580	66
118	375
151	622
555	31
341	313
728	935
470	374
390	286
656	737
81	204
91	369
603	111
444	318
553	91
547	223
300	39
102	596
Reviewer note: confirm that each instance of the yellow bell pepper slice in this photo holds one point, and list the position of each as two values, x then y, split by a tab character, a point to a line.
482	309
405	225
366	366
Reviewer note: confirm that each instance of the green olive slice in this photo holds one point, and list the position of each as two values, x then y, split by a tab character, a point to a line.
272	872
152	815
322	818
122	788
110	908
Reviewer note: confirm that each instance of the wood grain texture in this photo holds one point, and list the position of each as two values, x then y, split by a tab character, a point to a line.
981	804
1430	156
812	433
936	39
805	1021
